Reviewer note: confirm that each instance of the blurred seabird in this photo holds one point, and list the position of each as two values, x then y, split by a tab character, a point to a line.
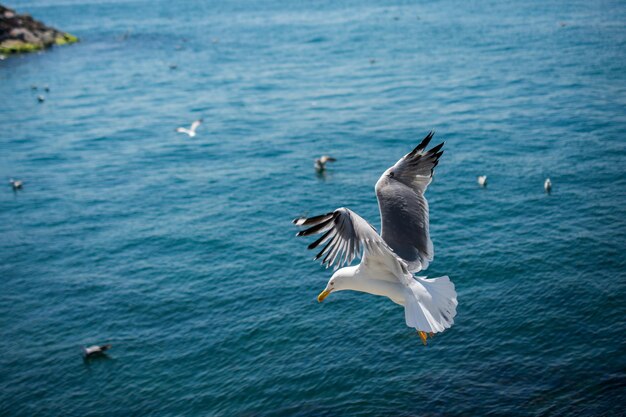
95	350
191	132
320	163
16	184
547	185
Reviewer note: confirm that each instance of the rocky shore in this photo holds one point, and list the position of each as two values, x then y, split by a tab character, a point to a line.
22	33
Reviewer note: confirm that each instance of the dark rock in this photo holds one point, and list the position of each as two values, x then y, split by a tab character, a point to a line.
22	33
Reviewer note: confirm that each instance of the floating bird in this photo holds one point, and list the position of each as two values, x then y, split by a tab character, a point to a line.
173	66
95	350
33	87
192	130
482	180
547	185
16	184
320	163
46	89
41	98
389	260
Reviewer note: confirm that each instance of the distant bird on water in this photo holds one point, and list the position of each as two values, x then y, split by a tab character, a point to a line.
320	163
482	180
191	132
95	350
403	248
547	185
41	98
16	184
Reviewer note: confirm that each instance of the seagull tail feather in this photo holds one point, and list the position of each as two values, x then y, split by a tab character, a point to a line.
430	305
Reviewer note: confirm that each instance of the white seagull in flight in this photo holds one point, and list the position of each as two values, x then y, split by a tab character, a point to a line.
191	132
389	260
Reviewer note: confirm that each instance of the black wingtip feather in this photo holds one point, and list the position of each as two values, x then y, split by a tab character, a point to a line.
435	149
423	144
304	221
320	240
316	228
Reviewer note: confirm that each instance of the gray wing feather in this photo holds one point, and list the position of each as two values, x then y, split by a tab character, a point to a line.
403	207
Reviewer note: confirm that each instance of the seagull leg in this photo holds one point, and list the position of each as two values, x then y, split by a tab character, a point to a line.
423	336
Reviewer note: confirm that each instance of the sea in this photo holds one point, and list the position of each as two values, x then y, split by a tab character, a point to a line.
181	253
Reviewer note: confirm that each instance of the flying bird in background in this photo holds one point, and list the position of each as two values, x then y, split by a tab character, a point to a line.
389	260
191	132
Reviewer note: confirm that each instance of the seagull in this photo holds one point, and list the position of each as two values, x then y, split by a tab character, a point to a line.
389	260
320	163
192	130
46	89
16	184
547	185
95	350
482	180
41	98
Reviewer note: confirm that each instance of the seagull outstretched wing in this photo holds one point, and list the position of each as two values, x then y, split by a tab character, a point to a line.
346	236
403	207
195	125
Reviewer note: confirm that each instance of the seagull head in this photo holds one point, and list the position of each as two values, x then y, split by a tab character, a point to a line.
341	280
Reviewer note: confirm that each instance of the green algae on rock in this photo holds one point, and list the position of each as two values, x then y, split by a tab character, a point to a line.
21	33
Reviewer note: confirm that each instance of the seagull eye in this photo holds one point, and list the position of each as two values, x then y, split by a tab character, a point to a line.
391	174
332	283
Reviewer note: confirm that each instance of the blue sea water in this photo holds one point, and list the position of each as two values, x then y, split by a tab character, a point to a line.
180	252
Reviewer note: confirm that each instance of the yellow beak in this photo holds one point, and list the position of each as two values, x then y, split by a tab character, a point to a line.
323	295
